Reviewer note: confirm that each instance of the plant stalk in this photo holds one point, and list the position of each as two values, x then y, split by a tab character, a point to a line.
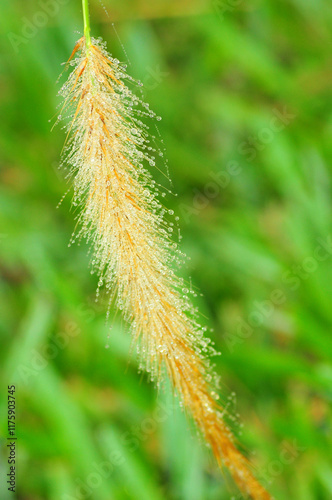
86	19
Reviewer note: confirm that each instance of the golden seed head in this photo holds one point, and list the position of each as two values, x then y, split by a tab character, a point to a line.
109	149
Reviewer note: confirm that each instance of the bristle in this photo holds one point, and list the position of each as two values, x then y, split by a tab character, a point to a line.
134	256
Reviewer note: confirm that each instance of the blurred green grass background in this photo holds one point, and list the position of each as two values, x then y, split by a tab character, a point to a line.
244	89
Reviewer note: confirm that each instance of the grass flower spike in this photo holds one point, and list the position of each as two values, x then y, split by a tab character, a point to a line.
109	151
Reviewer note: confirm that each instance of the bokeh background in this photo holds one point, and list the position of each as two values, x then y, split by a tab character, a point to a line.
244	90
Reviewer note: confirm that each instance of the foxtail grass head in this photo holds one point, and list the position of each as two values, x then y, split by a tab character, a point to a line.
111	155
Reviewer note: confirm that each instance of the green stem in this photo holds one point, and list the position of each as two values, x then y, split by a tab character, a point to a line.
86	18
